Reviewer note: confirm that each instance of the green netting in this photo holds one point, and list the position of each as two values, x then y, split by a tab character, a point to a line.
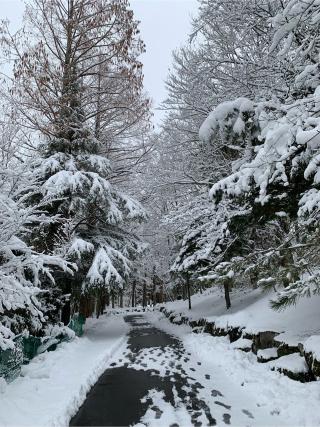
77	323
30	347
11	361
26	348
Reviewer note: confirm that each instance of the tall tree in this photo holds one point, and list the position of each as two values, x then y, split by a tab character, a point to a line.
65	59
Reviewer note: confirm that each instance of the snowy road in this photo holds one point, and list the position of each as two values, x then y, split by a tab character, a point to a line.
155	382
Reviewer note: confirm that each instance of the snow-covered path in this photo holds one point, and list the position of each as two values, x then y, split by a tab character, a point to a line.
153	373
156	381
55	384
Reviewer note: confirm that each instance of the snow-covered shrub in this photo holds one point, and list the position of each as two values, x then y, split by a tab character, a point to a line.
22	269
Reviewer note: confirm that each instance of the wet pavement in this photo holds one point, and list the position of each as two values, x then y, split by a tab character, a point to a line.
154	360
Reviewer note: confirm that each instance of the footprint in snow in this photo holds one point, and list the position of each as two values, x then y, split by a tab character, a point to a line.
222	404
248	413
216	393
226	418
157	411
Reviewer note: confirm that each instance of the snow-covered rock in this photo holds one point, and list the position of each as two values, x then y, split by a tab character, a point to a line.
267	354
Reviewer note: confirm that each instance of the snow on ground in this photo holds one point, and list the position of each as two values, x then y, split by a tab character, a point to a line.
267	353
312	345
166	413
55	384
251	310
292	362
246	390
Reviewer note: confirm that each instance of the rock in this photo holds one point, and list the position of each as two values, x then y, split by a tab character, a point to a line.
219	332
286	349
234	334
293	366
247	336
313	364
185	320
242	344
303	377
201	323
264	356
264	340
209	328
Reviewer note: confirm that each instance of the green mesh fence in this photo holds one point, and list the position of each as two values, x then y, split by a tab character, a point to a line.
11	361
77	323
30	347
26	348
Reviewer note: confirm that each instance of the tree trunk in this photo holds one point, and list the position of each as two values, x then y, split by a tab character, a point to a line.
66	313
133	297
107	299
112	299
184	294
161	293
154	291
189	291
121	299
98	309
66	309
144	294
227	294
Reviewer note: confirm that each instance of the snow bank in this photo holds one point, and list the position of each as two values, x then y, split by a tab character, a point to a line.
293	363
267	353
271	397
242	343
312	345
257	396
55	384
251	310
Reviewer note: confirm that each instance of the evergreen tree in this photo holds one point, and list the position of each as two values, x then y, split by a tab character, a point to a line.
26	276
61	56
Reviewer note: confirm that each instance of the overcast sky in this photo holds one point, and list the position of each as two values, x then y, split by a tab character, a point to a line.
165	25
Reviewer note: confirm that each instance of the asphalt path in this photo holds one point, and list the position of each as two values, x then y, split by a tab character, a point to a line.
119	396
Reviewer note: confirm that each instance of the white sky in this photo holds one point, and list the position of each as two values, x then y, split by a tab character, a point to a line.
165	25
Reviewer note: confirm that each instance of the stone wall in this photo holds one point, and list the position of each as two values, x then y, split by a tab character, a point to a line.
261	341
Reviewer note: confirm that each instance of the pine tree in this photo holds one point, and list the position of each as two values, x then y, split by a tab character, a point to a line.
26	276
68	48
280	178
